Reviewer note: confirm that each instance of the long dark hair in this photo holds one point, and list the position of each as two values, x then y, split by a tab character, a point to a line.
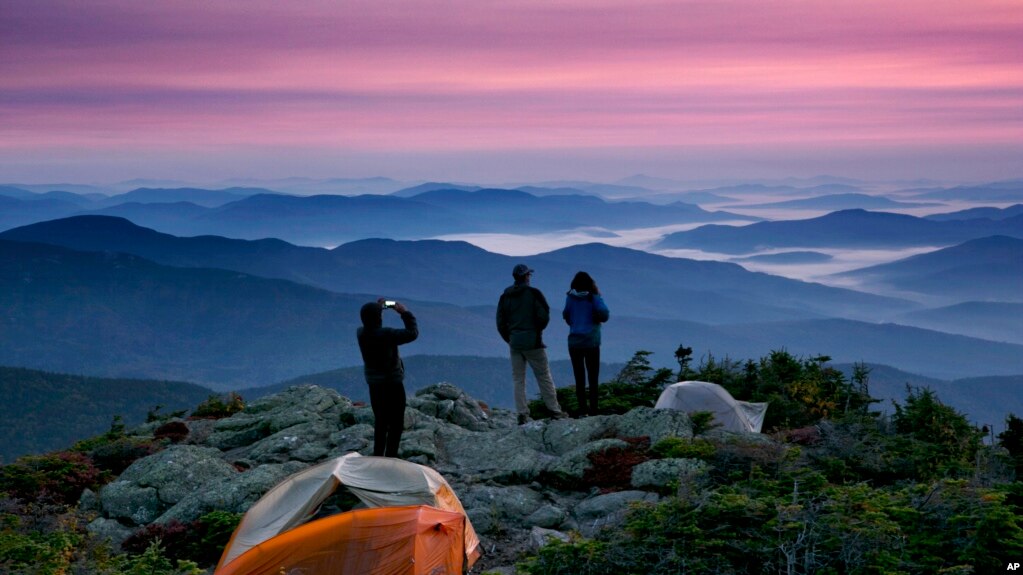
583	282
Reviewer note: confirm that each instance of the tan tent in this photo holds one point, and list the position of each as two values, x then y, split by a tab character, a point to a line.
731	414
274	533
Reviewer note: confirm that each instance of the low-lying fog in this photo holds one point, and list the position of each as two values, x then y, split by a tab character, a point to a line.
841	260
825	262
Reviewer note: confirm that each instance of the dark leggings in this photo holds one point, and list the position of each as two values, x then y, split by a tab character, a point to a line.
388	401
586	367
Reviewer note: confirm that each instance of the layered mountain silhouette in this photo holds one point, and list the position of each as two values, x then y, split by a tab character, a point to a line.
978	213
989	268
847	201
118	315
198	196
842	229
788	258
425	211
993	320
312	186
1007	191
640	283
432	187
17	211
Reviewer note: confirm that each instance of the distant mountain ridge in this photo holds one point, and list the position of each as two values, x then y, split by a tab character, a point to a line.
523	212
984	400
198	196
639	283
117	315
844	201
989	268
995	321
17	211
429	210
1005	191
45	411
432	186
977	213
841	229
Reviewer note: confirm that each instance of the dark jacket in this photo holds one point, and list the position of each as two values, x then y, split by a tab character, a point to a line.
584	312
522	315
379	346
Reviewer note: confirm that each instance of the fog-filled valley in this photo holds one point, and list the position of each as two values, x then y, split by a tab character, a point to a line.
243	284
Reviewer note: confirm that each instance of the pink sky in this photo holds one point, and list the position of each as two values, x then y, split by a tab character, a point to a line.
521	90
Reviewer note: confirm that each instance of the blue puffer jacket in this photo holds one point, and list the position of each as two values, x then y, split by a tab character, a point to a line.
584	312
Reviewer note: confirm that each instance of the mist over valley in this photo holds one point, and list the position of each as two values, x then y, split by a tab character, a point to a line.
248	286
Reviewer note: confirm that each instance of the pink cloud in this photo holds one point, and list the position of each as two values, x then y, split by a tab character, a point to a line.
526	75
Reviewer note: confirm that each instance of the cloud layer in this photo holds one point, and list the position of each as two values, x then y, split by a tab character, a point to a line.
323	85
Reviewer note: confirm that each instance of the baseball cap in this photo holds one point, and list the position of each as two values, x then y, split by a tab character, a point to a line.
521	270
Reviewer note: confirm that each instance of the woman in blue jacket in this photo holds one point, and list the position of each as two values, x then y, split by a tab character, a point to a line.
584	311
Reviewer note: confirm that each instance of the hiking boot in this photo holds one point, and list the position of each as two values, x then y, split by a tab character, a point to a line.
523	419
560	415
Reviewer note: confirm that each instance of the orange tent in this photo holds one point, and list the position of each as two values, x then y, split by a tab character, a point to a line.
411	540
278	526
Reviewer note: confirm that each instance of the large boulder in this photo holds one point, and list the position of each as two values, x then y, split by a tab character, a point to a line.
562	436
419	445
309	441
571	467
450	404
131	503
547	516
656	424
665	473
540	537
506	456
310	399
235	493
268	415
358	437
510	502
498	507
608	510
110	530
153	484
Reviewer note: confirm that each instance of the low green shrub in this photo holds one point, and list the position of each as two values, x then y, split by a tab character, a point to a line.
679	448
115	456
217	407
581	557
27	549
702	421
153	561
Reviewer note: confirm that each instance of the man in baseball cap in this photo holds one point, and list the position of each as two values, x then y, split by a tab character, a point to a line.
522	315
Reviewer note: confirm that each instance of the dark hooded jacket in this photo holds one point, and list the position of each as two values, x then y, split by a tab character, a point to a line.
379	345
522	315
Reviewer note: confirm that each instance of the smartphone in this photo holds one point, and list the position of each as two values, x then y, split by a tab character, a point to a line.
390	303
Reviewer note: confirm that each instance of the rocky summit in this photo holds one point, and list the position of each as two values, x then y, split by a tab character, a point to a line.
520	485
